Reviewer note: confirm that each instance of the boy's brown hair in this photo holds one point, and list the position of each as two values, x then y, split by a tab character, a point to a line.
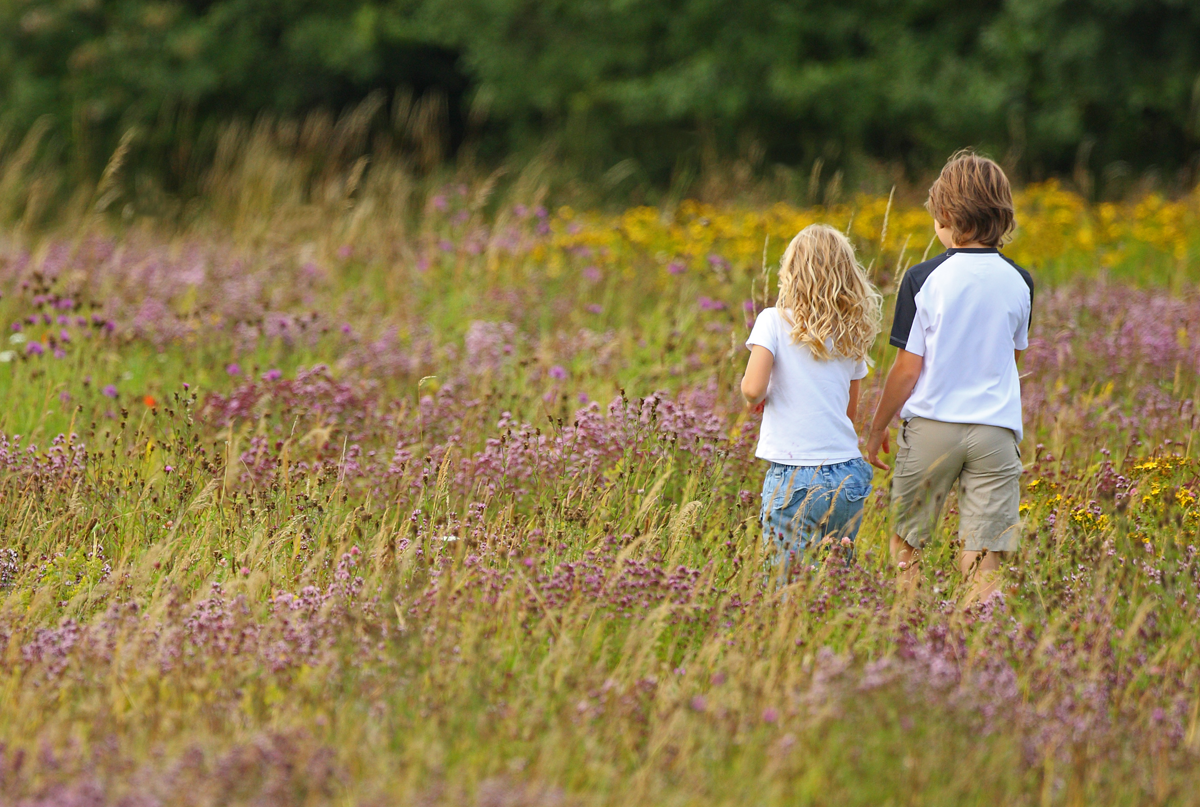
973	198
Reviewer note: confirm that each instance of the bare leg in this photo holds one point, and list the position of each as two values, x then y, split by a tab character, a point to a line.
905	557
983	569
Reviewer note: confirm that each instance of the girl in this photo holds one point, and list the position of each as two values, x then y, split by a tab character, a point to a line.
807	357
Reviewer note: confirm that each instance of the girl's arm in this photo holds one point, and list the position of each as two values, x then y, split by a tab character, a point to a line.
758	375
852	409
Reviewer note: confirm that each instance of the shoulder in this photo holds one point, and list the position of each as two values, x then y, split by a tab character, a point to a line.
917	275
1028	278
768	318
766	328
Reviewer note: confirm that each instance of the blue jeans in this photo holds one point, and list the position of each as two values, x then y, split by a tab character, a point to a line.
802	504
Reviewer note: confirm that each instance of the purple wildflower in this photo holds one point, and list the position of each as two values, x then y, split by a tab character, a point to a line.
718	263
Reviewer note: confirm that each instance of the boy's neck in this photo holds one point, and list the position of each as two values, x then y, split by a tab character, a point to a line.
973	245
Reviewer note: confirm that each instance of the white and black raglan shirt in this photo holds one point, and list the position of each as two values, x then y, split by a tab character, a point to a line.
965	312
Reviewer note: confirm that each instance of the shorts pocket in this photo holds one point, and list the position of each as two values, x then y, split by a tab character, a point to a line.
903	448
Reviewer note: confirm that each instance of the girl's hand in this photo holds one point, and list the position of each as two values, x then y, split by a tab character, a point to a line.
759	407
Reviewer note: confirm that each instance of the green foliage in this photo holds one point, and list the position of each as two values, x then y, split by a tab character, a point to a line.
1096	84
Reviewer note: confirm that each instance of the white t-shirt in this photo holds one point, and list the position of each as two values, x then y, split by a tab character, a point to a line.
965	311
805	421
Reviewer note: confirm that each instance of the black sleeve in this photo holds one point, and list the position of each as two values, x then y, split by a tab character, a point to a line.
906	310
1028	278
1029	282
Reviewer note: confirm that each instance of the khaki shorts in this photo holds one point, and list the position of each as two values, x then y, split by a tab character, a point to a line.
931	456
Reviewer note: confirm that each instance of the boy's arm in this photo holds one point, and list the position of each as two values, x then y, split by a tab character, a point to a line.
899	385
852	409
758	375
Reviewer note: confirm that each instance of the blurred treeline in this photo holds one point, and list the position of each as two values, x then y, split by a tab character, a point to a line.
633	91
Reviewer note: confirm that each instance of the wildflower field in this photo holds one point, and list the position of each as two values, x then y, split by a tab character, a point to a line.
409	495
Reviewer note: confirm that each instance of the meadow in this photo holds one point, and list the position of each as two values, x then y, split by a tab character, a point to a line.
401	493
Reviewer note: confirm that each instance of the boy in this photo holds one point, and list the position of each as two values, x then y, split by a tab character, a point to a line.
962	322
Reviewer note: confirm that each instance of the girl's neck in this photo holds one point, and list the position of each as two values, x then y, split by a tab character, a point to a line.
973	245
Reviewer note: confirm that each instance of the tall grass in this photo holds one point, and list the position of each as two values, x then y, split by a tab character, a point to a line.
354	487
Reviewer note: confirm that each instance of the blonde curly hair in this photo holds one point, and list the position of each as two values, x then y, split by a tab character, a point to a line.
826	297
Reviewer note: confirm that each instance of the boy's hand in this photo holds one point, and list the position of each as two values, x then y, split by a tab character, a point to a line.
879	440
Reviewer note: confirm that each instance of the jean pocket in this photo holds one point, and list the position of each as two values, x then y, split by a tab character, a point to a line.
856	482
786	487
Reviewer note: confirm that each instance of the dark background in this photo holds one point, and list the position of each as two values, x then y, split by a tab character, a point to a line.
1050	86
